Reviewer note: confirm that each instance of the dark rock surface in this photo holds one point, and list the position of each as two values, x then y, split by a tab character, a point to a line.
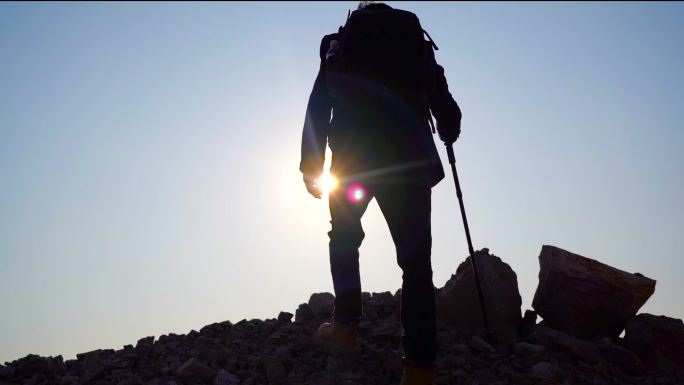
321	304
586	298
459	303
280	351
656	339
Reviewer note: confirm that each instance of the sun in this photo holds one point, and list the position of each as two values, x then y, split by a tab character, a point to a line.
327	182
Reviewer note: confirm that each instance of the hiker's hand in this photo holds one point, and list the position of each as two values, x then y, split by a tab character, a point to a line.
310	181
450	134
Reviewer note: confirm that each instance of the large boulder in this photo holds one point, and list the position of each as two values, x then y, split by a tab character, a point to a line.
586	298
459	304
656	339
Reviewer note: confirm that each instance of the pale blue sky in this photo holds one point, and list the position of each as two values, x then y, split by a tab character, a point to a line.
149	154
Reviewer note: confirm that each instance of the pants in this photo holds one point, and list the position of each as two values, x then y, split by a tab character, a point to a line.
406	208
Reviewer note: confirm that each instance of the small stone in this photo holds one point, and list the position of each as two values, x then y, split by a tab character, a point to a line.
477	343
194	371
93	369
365	296
275	372
36	379
34	364
224	377
386	331
391	362
460	359
6	372
384	299
558	340
656	339
627	361
212	330
365	324
144	345
282	355
528	323
527	349
285	317
485	376
321	304
303	313
542	371
66	380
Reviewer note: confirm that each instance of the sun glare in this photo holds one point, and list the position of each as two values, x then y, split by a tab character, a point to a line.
327	182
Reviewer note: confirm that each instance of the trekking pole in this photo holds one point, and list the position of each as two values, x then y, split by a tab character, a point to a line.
452	162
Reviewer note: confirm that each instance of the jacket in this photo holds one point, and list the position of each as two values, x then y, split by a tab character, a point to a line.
374	135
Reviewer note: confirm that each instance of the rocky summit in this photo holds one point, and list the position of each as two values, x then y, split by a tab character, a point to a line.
521	350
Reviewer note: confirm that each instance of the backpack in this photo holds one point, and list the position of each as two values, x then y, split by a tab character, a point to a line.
384	48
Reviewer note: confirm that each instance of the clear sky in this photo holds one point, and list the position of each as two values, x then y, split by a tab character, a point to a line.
149	158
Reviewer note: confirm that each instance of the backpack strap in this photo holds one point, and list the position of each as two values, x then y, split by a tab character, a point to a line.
432	42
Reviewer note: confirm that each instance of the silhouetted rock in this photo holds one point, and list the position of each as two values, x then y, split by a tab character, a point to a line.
586	298
303	313
275	372
387	330
193	371
627	361
543	371
527	349
528	323
284	316
656	339
477	343
279	352
384	299
321	304
212	330
224	377
33	364
458	301
557	340
6	372
144	345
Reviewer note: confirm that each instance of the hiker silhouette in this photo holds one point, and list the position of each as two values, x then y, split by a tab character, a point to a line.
380	82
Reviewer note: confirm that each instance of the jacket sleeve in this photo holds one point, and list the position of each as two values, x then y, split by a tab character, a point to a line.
317	120
441	103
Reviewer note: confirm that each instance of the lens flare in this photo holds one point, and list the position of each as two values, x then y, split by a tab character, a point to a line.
327	182
356	193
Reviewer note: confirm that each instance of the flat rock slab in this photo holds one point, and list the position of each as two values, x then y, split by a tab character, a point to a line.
586	298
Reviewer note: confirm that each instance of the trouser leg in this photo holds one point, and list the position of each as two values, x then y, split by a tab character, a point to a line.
407	211
346	235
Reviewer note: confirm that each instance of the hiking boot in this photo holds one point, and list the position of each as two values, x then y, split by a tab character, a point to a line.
414	375
340	338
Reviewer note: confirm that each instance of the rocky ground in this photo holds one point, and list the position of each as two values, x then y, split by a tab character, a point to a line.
281	351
